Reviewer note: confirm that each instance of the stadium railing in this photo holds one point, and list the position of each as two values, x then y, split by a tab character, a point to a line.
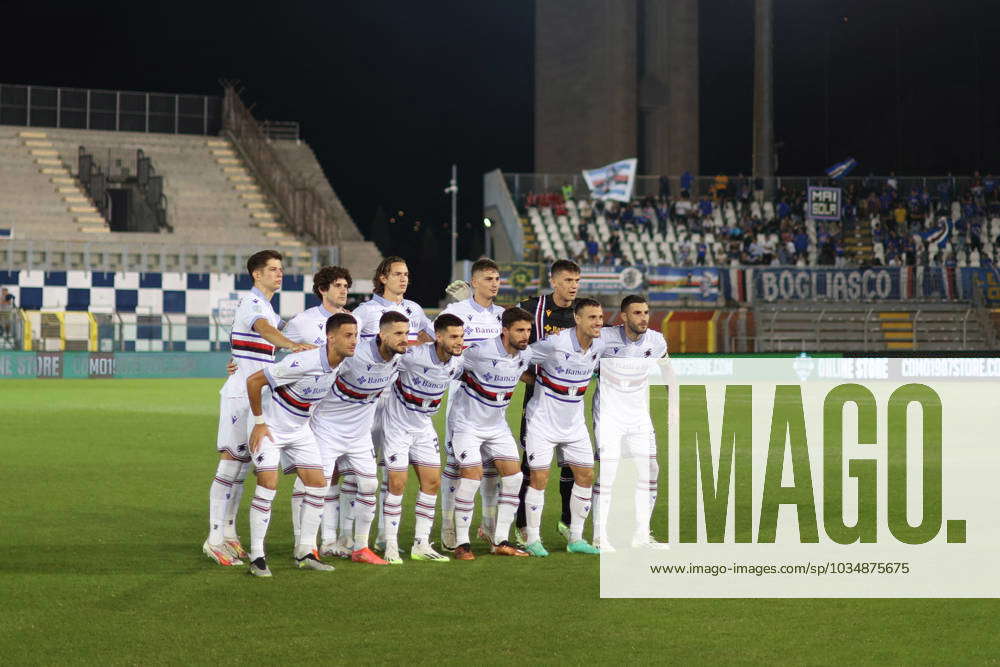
302	208
119	110
97	255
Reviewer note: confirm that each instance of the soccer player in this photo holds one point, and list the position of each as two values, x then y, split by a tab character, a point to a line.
479	432
297	382
253	340
627	429
330	285
391	279
556	420
551	314
481	317
405	435
342	424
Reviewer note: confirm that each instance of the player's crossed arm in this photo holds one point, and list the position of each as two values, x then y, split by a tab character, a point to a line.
278	339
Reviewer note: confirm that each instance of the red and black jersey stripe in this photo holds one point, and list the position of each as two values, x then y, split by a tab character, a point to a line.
561	389
291	400
250	346
351	393
473	384
413	399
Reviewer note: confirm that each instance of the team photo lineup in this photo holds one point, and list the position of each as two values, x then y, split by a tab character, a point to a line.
348	410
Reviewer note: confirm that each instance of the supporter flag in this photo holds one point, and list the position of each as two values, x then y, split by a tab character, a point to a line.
939	235
612	181
841	169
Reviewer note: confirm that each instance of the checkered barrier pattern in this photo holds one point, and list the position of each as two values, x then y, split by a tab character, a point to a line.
152	311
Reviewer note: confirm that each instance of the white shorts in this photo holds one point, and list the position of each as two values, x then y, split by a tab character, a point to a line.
539	447
400	449
615	441
298	448
468	449
234	427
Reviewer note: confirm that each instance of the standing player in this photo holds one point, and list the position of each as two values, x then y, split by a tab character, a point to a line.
551	314
556	419
297	382
253	340
406	436
626	427
480	433
481	317
342	424
392	277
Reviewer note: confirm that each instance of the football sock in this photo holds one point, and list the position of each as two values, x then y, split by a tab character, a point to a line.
465	503
449	484
233	505
298	493
601	504
565	491
534	502
489	487
260	517
506	506
383	492
348	490
312	512
218	498
579	507
645	493
364	514
331	513
424	513
392	515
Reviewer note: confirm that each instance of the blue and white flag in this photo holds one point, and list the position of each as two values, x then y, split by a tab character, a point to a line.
940	235
841	169
612	181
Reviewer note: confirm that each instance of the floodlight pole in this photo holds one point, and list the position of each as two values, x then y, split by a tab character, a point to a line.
452	189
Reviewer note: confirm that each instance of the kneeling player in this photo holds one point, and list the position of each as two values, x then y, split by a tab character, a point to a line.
297	383
555	419
479	431
406	436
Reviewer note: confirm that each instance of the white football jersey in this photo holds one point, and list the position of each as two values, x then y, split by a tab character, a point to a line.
480	323
419	388
487	384
253	351
297	382
370	312
625	381
564	370
309	326
361	379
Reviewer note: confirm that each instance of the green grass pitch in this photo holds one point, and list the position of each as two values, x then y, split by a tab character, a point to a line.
104	503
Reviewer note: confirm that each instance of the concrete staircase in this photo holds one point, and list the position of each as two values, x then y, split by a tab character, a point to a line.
40	195
858	243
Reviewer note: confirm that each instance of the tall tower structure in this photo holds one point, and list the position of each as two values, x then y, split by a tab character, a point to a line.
616	79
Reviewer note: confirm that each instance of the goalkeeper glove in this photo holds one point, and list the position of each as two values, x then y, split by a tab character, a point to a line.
458	290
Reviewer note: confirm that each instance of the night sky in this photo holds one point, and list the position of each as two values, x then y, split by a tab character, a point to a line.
390	94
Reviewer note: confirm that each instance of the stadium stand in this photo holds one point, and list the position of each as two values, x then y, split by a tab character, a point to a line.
220	194
948	221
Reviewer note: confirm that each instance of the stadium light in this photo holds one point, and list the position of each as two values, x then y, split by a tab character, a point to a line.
487	223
